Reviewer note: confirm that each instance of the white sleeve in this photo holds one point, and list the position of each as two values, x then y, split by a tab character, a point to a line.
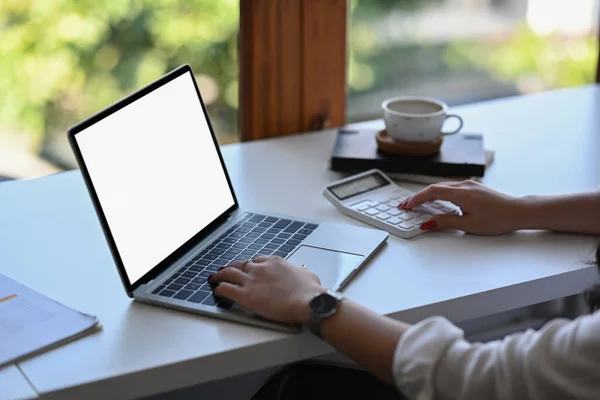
561	360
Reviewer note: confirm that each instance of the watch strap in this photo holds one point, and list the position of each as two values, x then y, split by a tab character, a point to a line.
314	324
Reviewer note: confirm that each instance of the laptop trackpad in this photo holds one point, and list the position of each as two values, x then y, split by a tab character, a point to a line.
332	267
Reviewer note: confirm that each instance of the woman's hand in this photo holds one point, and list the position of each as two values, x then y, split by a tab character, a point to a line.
484	211
269	286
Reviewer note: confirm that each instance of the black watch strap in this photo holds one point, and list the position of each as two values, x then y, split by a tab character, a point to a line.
314	325
321	307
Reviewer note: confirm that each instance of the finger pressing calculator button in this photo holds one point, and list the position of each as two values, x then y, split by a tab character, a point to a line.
405	225
383	207
371	211
394	221
383	216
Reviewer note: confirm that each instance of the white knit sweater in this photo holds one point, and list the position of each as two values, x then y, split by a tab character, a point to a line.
560	361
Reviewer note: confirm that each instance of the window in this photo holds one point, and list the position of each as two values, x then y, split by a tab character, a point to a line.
62	60
466	50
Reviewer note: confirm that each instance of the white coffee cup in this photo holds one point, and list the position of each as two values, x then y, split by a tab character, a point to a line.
416	119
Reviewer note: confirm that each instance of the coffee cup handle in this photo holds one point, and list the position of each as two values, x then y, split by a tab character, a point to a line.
460	124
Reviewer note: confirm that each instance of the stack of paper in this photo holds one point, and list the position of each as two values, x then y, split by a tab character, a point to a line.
31	323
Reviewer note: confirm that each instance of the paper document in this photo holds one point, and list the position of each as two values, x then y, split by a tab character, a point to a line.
31	322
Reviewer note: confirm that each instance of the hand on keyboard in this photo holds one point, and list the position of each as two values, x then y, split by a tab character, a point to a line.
484	210
269	286
252	235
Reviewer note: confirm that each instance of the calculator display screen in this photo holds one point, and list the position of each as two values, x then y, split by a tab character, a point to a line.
360	185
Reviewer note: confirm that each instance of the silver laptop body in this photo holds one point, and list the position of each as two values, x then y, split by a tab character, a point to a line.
163	196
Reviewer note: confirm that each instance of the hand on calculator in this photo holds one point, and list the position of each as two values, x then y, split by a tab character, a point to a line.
484	210
372	197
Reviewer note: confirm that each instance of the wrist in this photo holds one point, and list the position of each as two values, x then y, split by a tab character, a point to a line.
528	212
302	305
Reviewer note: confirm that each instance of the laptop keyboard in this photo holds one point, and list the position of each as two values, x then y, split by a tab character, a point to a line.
253	235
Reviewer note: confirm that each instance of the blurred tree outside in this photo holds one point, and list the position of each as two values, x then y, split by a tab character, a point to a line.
63	60
395	49
534	62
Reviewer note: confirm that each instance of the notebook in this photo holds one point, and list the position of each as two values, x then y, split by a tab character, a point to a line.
31	323
460	155
429	179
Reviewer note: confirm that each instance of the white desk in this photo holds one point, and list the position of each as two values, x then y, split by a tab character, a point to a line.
50	240
14	385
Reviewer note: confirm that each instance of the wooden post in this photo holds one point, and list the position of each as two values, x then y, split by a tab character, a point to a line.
292	66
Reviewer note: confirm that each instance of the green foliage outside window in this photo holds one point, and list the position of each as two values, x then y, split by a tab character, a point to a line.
63	60
535	62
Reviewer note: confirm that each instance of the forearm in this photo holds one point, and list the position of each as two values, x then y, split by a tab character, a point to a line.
578	213
365	336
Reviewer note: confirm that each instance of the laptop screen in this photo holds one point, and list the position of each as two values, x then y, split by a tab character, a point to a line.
157	174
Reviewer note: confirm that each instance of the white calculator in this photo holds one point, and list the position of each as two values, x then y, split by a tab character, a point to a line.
373	198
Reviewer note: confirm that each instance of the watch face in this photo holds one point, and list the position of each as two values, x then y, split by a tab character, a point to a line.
323	304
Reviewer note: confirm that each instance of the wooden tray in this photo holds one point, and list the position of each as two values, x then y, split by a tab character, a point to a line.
388	145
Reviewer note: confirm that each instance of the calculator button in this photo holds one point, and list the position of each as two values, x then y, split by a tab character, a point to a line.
371	211
374	203
383	207
383	216
393	212
405	225
393	203
394	221
437	205
362	206
404	216
420	219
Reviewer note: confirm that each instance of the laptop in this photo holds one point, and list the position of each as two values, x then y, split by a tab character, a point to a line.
162	193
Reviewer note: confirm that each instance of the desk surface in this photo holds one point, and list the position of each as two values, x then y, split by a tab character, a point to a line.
52	242
14	385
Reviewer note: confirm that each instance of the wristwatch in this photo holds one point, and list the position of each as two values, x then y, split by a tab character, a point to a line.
321	307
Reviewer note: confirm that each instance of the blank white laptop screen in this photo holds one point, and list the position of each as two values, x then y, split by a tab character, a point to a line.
157	174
